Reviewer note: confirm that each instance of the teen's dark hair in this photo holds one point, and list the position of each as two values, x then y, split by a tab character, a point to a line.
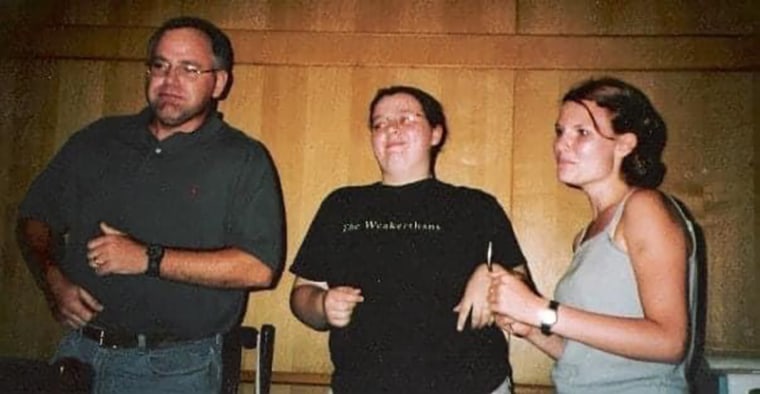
631	112
431	108
224	57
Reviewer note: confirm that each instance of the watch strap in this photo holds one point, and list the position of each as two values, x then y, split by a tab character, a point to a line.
155	255
546	328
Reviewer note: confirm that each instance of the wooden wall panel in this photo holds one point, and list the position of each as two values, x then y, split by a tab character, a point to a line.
728	158
479	150
419	16
8	272
7	122
646	17
123	87
118	13
79	104
710	160
412	50
312	113
31	94
546	215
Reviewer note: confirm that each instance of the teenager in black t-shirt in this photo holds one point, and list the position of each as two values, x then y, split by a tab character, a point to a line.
384	265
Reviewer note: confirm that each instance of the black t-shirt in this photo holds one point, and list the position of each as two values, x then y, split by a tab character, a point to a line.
205	190
411	250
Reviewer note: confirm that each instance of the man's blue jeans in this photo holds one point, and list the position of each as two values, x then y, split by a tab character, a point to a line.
188	367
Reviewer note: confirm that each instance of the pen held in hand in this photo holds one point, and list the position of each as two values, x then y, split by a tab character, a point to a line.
489	253
489	264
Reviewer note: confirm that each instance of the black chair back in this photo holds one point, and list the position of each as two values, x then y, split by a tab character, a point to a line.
232	356
67	375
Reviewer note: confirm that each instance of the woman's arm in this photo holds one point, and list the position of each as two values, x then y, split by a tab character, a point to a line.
654	239
552	345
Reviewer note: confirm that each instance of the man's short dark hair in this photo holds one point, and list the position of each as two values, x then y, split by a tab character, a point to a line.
224	57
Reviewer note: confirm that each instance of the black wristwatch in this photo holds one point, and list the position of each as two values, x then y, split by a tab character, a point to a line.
155	255
549	317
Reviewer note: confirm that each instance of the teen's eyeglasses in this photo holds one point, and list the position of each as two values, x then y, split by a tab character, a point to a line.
402	121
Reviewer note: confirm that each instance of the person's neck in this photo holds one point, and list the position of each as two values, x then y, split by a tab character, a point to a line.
604	198
163	131
390	180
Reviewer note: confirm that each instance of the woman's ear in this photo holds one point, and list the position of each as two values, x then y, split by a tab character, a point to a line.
626	143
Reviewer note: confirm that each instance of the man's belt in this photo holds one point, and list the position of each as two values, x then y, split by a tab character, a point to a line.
117	340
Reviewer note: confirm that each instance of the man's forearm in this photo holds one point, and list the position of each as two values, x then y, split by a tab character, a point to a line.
230	268
39	246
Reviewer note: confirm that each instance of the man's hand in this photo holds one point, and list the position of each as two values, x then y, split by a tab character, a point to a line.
339	304
72	305
474	302
116	253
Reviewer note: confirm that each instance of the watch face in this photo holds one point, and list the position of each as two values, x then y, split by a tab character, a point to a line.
548	316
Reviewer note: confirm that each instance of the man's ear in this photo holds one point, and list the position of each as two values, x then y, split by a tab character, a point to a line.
222	77
626	143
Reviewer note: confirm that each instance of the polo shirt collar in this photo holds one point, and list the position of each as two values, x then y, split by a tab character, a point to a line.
207	130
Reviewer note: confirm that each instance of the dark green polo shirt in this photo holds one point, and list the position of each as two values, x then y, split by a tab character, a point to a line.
209	189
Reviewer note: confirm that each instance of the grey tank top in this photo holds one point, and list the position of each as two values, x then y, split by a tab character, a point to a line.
601	279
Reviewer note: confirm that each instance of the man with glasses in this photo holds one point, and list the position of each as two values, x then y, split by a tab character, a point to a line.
146	232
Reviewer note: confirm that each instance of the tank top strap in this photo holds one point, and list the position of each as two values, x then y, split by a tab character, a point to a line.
612	226
687	222
579	237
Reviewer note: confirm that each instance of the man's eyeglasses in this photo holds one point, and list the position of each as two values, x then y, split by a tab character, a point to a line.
401	121
185	71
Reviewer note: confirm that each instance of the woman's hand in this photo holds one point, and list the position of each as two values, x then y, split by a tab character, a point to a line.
511	297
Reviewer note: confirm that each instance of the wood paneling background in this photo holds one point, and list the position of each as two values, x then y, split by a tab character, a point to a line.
307	70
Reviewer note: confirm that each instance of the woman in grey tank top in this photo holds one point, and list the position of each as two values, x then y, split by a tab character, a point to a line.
622	320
